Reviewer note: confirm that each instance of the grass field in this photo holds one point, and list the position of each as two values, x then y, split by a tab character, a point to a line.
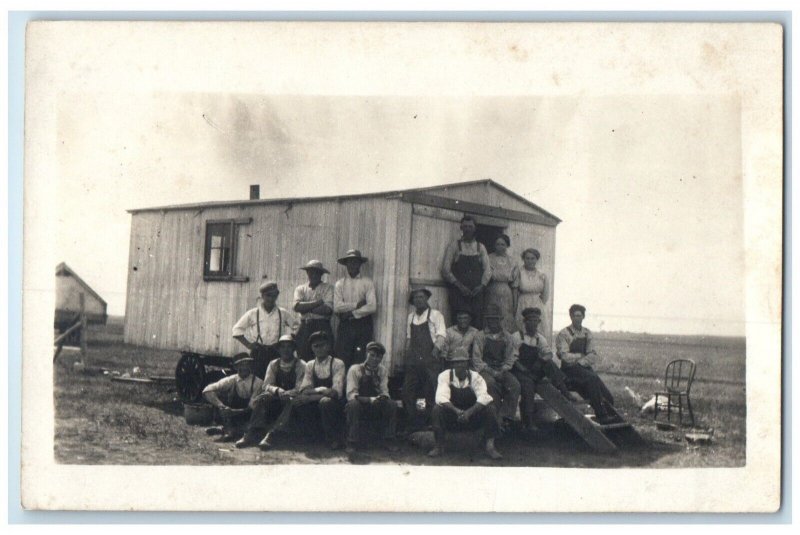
103	422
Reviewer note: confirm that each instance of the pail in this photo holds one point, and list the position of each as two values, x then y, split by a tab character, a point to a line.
198	413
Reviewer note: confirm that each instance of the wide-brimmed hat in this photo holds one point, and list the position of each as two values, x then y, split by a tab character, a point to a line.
287	338
315	264
493	311
536	312
268	285
377	346
323	335
241	358
352	253
458	354
425	291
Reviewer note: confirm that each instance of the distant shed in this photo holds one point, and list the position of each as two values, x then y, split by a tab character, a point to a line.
195	268
69	286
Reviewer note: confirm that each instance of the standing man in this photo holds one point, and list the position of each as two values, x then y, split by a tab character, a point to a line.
534	363
493	357
282	383
368	392
322	388
314	302
463	402
461	335
575	348
425	333
354	302
232	396
466	266
261	327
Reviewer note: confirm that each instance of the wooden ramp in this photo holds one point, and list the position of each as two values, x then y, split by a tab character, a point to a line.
599	437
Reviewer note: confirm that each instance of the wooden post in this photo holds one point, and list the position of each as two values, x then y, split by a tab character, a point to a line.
84	349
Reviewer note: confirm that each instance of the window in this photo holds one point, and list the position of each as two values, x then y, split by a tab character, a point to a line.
220	251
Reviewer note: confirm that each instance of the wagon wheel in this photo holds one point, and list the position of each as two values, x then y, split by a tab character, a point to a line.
190	377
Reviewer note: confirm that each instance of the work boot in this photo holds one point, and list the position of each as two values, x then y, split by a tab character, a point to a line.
436	452
267	443
247	441
491	451
227	437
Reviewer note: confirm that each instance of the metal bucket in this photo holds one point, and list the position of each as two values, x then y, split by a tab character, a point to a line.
198	413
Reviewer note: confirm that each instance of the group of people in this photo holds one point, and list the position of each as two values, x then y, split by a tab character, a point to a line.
473	374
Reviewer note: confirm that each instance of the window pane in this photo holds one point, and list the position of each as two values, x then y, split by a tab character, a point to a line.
215	260
216	241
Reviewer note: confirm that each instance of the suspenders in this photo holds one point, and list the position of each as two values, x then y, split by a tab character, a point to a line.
258	323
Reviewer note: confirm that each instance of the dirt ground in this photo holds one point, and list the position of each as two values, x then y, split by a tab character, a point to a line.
99	421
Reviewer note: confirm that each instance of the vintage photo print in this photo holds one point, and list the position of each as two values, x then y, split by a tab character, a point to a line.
461	267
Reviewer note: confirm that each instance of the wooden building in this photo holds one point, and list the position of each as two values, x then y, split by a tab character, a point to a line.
195	268
69	286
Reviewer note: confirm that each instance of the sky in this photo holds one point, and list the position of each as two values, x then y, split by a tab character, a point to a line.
649	188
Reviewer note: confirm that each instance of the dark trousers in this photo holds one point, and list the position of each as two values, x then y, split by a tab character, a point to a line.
505	391
307	328
587	383
419	381
352	338
384	408
485	419
262	356
235	424
472	304
266	410
329	410
528	381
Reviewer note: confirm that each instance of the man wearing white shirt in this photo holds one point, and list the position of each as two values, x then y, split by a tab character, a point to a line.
462	402
260	328
354	303
425	332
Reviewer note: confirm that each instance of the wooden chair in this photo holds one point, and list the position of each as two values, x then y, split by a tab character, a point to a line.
678	379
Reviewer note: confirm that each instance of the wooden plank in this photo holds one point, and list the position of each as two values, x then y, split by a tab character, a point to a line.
134	380
427	282
478	209
455	217
587	430
84	333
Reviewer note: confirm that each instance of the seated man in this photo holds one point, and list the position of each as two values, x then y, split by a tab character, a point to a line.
535	363
322	388
281	384
575	348
462	402
368	391
493	357
460	335
232	396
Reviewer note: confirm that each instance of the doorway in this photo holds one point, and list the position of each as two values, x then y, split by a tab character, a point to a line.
487	235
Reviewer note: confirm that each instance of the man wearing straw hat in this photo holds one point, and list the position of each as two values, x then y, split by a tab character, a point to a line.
232	397
260	328
354	302
462	402
281	384
314	302
425	332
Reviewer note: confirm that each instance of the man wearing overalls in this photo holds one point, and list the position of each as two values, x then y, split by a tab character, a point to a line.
354	302
281	384
322	389
466	267
575	348
425	332
368	392
462	402
314	302
260	328
493	357
534	363
232	396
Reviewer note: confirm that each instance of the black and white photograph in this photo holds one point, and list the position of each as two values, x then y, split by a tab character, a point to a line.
535	254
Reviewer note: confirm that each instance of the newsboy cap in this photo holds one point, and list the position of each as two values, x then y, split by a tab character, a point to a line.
268	286
535	312
319	335
377	346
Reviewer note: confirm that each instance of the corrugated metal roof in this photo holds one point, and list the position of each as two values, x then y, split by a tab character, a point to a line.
293	200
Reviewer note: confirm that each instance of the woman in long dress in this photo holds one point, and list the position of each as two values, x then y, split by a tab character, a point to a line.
534	291
502	288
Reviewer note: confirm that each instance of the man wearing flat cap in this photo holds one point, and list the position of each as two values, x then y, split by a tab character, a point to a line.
281	384
575	348
368	392
425	332
459	336
322	389
462	402
534	363
314	302
354	302
232	397
493	358
260	328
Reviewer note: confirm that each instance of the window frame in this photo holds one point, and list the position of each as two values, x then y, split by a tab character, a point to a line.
233	228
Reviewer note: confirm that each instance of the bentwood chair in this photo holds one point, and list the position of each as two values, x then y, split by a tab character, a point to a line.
678	379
